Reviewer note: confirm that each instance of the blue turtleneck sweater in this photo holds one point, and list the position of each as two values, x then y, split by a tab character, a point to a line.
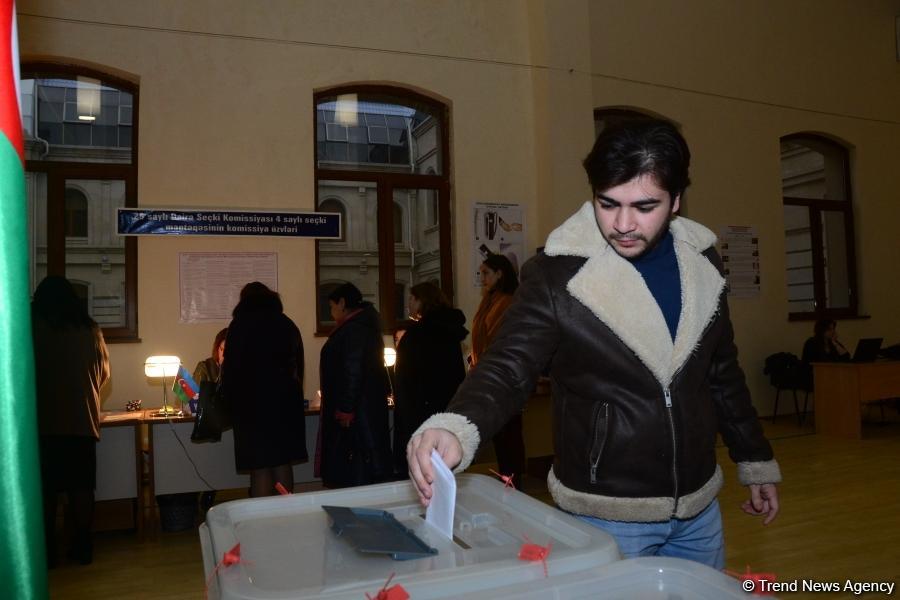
659	268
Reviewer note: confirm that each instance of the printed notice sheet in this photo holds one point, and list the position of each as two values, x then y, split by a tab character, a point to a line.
210	282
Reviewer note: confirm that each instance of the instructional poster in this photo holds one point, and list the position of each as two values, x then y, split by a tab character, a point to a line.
210	282
739	248
497	229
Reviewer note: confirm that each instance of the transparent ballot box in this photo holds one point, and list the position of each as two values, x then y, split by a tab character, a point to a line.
646	578
288	549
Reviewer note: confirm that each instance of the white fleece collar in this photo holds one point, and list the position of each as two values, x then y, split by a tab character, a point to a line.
615	292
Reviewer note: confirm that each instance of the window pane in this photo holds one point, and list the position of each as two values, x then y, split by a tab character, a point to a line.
837	284
76	220
411	129
812	169
97	261
355	258
76	117
798	259
36	198
418	257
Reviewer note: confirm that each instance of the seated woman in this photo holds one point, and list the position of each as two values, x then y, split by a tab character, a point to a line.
208	369
824	345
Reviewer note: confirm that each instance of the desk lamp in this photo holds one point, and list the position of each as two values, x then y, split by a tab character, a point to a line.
163	366
390	359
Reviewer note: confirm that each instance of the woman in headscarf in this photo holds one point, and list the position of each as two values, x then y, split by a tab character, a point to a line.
354	438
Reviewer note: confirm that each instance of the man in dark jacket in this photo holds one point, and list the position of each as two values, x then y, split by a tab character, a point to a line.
627	306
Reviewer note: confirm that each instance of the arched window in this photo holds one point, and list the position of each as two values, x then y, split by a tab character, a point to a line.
330	205
379	149
76	213
818	228
80	129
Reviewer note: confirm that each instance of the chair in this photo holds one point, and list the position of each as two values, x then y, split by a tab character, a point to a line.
787	372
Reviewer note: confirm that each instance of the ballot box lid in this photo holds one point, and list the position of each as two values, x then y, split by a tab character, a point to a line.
645	578
288	549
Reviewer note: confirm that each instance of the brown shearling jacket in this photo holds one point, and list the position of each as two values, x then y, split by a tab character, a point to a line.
635	413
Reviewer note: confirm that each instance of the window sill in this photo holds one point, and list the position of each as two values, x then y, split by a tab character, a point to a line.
792	317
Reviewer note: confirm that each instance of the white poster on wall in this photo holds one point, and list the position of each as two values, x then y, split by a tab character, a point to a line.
210	282
739	248
497	229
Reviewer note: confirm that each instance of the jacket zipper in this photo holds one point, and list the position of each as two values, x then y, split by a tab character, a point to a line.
668	396
604	413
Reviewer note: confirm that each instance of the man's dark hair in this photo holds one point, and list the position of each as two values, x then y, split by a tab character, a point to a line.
509	281
630	149
350	294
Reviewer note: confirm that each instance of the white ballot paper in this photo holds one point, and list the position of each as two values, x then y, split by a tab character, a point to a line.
439	513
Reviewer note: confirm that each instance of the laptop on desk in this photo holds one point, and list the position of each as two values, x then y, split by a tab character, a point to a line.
867	349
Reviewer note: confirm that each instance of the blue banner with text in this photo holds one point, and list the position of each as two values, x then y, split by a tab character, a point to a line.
164	221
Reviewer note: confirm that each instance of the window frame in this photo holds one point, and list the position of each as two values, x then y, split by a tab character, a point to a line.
58	172
816	208
386	182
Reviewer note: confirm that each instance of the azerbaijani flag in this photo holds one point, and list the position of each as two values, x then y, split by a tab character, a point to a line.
185	387
23	570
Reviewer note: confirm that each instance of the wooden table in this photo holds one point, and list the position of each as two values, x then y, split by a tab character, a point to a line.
842	388
163	466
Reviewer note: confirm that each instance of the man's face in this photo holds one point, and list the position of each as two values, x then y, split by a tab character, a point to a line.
634	216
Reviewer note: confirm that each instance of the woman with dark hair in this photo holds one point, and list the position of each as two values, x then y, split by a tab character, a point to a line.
71	365
354	438
429	364
824	345
209	368
498	283
262	378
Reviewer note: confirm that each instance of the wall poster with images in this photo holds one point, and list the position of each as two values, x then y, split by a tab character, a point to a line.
739	249
497	229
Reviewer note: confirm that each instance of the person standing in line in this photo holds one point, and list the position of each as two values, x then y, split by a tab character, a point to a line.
71	366
354	445
262	379
627	304
498	284
429	365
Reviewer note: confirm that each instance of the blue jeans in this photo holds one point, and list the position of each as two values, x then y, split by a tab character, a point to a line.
699	538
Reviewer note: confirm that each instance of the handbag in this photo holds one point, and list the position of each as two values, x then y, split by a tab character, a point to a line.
212	414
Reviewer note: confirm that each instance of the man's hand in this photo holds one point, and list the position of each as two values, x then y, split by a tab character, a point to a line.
763	501
418	455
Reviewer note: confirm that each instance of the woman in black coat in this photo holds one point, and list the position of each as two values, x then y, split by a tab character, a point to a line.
355	446
429	364
262	377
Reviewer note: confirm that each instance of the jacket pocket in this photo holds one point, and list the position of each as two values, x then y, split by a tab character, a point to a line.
601	430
